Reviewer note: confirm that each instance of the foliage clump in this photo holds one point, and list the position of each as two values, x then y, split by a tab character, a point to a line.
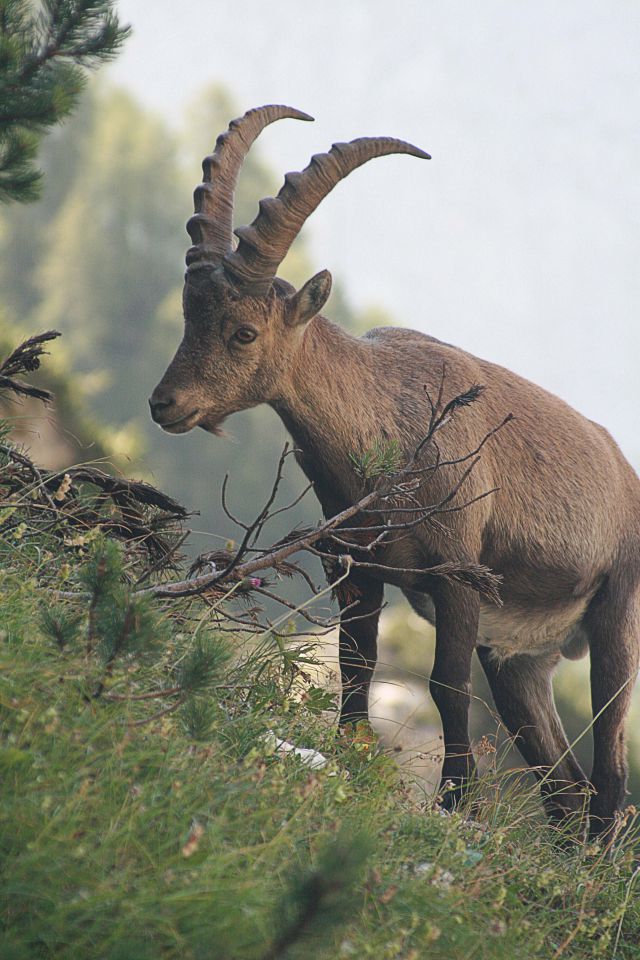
383	458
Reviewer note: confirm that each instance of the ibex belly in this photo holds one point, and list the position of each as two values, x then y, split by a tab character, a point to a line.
510	630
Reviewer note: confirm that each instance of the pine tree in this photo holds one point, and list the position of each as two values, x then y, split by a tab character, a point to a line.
45	50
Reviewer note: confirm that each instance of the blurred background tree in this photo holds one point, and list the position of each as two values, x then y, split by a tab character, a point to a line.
46	49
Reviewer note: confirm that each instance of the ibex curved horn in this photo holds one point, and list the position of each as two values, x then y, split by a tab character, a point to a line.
210	227
264	244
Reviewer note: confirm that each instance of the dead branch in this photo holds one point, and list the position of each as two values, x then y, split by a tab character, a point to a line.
54	501
25	359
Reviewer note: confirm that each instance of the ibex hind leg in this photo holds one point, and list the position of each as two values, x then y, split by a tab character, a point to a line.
613	626
523	694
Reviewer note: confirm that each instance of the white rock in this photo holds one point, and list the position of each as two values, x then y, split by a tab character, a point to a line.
311	758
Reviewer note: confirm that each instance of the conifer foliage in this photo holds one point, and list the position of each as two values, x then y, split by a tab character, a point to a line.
45	49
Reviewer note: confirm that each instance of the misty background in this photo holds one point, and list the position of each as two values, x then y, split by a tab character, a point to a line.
520	240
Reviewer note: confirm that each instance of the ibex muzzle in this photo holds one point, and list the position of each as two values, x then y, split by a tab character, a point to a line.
562	525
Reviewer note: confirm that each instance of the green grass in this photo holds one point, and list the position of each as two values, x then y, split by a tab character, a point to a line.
141	841
168	827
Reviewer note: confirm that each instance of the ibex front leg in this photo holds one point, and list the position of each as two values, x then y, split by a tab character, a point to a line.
360	599
457	612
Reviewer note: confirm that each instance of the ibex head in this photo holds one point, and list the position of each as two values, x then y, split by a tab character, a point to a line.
242	323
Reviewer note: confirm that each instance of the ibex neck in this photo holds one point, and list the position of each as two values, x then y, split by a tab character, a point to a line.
328	404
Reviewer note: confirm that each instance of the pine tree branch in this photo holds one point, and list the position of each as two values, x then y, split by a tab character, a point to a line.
43	60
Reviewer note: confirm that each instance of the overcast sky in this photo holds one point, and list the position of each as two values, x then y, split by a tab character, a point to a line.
520	240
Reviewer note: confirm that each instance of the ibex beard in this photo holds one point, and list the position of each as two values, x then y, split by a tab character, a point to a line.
562	526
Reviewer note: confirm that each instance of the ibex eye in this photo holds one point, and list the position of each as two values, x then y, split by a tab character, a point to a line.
245	335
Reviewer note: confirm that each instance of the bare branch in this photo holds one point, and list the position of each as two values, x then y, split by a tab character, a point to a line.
189	588
223	493
25	359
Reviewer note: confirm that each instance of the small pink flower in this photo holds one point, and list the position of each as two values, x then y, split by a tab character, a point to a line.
255	581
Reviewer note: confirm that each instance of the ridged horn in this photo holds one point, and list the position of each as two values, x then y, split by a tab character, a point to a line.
264	244
210	228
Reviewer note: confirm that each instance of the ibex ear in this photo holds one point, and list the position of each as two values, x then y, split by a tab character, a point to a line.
310	299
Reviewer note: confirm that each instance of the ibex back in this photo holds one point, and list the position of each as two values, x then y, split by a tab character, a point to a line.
562	527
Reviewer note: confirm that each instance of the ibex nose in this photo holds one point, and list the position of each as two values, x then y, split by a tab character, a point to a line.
159	403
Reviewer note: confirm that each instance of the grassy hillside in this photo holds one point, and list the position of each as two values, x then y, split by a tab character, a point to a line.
148	812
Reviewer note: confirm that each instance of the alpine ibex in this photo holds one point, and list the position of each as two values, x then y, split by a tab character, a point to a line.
562	527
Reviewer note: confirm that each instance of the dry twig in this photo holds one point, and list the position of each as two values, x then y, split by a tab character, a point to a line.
25	359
